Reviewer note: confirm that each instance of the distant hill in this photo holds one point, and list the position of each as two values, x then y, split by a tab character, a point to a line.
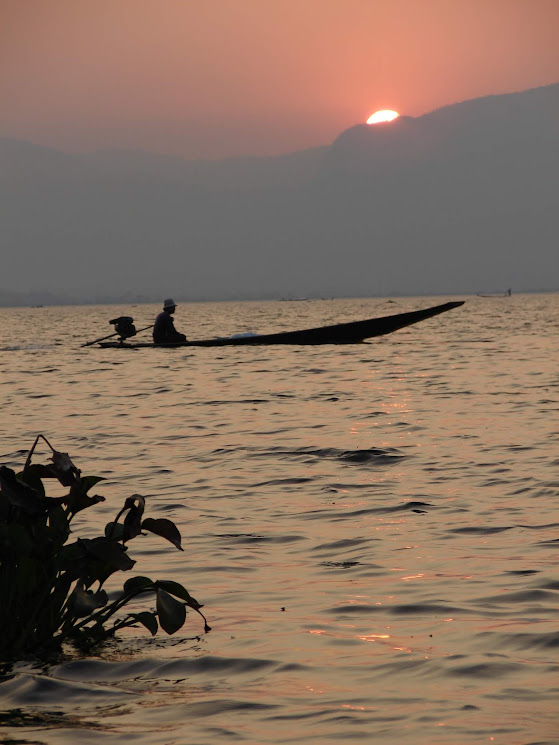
463	199
241	173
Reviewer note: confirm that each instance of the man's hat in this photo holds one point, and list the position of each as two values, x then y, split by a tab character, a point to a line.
169	303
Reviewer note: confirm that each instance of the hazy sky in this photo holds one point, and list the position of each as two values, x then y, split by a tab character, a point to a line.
214	78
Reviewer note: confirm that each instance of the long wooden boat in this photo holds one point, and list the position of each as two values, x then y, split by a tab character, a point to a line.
340	333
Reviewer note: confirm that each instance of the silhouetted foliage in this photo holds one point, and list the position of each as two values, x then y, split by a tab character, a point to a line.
51	590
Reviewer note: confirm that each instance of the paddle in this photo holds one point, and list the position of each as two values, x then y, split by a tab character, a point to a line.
110	336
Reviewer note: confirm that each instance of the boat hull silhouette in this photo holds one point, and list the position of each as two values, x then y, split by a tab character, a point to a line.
340	333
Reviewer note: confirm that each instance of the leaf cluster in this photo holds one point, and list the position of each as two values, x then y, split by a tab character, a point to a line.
52	587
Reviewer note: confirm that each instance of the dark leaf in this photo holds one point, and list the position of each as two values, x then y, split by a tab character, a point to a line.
149	620
79	502
133	520
131	501
84	602
96	571
66	471
71	554
110	552
19	494
94	634
58	522
84	484
174	588
170	612
165	528
79	563
32	476
132	523
114	531
78	499
136	584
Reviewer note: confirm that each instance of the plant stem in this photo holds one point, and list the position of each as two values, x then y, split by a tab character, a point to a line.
29	455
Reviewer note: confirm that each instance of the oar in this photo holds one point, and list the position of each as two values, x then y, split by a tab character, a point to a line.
110	336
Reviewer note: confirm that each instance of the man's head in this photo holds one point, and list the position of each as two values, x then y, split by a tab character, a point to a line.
169	305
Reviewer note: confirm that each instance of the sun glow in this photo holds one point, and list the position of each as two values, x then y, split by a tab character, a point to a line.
386	115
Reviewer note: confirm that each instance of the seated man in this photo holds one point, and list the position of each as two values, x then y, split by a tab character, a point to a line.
164	331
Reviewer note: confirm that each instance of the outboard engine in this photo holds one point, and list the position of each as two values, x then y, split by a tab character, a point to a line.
124	327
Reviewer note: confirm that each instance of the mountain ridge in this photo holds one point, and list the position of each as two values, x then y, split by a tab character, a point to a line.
453	201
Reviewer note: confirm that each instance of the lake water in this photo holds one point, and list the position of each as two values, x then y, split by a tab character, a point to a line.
373	529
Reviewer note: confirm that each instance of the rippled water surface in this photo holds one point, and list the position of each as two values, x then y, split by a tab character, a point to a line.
373	528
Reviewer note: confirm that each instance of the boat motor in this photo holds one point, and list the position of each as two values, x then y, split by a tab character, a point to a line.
124	327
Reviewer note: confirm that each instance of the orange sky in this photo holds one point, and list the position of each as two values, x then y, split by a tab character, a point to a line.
213	78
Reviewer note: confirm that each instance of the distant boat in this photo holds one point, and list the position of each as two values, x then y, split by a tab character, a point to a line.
508	293
341	333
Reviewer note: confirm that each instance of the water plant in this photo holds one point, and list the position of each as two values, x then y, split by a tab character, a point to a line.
51	587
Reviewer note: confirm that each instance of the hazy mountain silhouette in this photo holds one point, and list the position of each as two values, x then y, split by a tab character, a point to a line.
293	169
463	199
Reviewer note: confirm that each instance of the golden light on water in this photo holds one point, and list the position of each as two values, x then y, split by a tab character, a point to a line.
373	637
386	115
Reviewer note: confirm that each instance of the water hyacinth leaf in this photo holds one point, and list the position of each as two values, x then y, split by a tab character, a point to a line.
77	562
78	498
84	484
170	612
77	503
32	477
66	471
176	589
149	620
42	470
72	553
19	494
97	632
58	522
137	584
109	552
92	571
114	531
133	522
84	602
164	528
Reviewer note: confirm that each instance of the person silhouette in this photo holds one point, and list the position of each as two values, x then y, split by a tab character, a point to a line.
164	331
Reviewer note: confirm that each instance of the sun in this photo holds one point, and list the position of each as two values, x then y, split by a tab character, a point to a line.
386	115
